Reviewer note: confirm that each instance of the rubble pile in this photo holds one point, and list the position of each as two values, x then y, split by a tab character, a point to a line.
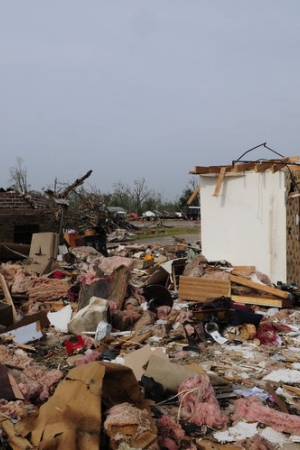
151	347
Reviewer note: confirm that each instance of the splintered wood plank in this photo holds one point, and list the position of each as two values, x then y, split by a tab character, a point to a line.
274	164
243	270
194	195
202	289
276	167
263	166
252	165
242	167
200	169
293	389
262	301
259	287
137	340
291	159
209	170
8	298
220	181
9	386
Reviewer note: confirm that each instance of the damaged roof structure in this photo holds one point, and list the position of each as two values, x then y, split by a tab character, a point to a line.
253	205
165	346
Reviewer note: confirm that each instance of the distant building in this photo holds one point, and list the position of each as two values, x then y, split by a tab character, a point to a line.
117	211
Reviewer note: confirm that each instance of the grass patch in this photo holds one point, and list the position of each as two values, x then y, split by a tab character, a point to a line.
161	231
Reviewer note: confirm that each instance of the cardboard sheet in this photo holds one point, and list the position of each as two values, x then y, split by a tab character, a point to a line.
72	418
138	359
170	374
43	251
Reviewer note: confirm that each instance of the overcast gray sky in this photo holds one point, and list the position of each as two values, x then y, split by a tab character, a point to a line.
148	89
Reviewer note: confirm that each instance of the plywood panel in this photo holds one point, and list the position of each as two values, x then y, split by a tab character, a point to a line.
202	289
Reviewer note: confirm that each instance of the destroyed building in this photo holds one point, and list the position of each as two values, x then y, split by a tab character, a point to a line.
251	215
24	214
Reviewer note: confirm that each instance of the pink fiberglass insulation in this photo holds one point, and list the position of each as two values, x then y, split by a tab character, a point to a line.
252	409
256	442
169	433
198	403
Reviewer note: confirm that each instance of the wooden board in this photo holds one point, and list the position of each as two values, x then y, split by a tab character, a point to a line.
262	301
259	287
9	389
220	181
243	270
194	195
7	297
202	289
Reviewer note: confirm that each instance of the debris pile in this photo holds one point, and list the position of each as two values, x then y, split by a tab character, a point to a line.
149	347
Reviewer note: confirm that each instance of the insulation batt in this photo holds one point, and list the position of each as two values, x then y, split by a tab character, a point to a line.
90	357
168	433
20	283
184	316
125	423
17	409
255	443
104	267
252	409
34	381
46	289
9	272
15	360
89	276
163	312
198	402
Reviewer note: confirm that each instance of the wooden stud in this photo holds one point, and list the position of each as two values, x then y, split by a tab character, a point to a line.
220	181
8	298
262	301
194	195
259	287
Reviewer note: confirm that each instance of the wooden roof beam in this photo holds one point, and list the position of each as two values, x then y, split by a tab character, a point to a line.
194	195
258	166
211	169
242	167
220	181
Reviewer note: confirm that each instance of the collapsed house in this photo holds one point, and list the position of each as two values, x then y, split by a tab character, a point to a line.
21	216
172	346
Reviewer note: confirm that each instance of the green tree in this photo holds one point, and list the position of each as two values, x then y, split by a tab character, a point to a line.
187	192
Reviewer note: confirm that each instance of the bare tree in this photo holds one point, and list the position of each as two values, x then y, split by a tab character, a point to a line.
122	196
18	177
140	193
132	198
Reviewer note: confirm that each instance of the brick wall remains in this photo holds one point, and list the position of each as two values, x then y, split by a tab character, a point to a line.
21	214
14	200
